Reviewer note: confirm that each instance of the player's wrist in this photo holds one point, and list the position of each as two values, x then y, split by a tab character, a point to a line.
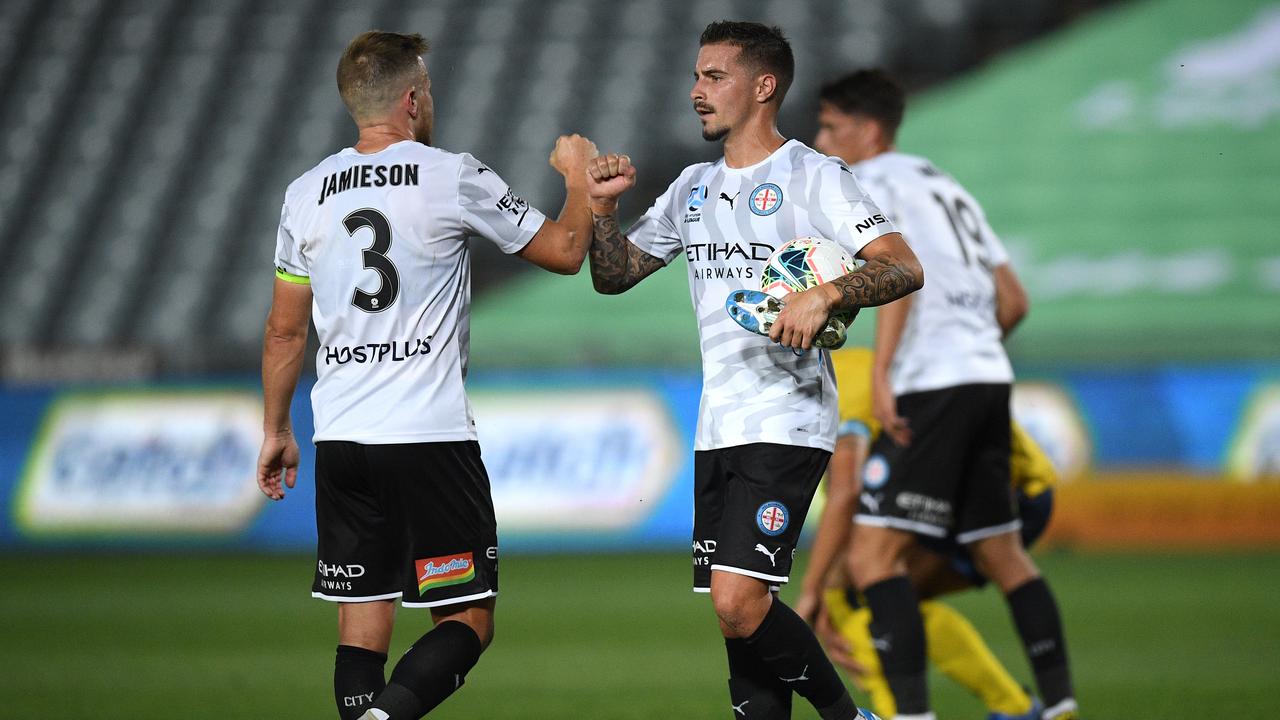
600	206
575	178
831	295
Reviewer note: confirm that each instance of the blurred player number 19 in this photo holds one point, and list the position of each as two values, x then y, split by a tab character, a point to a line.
961	216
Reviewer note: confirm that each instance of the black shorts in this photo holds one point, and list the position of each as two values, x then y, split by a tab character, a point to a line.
1033	512
413	521
749	504
953	479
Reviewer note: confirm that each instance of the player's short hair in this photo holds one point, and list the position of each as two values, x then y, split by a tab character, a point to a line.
871	92
763	47
375	68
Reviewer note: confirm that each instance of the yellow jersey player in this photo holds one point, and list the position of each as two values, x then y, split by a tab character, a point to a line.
827	595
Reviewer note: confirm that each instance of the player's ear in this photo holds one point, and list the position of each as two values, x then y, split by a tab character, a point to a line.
876	133
766	86
410	102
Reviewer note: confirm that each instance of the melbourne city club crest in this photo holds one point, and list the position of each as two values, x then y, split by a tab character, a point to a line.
766	199
772	518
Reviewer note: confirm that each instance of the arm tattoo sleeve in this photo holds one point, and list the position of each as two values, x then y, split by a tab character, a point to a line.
616	264
878	282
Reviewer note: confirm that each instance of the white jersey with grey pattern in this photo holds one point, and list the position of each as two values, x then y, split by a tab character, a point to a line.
382	238
951	336
727	221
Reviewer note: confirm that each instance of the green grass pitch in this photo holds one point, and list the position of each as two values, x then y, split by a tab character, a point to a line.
212	636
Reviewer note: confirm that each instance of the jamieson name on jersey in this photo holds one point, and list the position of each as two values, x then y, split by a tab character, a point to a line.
363	176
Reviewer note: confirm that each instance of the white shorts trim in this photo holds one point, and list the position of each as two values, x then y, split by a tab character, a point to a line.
450	601
701	589
367	598
965	538
751	573
900	524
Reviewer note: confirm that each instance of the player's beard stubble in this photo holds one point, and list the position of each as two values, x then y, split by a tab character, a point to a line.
426	119
710	131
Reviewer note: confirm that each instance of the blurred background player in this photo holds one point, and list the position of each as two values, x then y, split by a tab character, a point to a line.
829	600
940	468
767	421
373	245
827	596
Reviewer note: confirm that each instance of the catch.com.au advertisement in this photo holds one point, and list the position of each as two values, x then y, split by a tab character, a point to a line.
577	461
570	468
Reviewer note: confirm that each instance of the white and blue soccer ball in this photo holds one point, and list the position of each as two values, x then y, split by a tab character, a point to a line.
803	263
806	262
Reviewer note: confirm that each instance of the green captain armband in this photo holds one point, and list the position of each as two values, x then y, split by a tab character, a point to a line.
291	278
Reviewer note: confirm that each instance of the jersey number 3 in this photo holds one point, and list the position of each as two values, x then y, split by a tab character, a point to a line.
375	258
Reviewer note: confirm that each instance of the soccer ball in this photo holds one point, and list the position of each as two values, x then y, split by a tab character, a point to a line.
803	263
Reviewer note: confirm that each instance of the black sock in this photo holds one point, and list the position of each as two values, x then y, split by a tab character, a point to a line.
755	691
789	648
357	679
897	631
430	671
1039	623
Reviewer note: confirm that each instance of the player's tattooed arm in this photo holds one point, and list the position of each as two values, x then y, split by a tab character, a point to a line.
878	282
616	264
891	271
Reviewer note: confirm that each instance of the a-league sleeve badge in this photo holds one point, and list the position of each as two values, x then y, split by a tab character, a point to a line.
772	518
697	196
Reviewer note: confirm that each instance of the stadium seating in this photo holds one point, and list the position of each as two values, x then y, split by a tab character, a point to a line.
146	143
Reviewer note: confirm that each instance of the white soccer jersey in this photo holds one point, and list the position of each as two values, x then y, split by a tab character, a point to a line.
727	221
382	240
951	336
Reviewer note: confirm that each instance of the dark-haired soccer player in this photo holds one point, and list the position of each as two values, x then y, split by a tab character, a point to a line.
767	421
373	245
939	474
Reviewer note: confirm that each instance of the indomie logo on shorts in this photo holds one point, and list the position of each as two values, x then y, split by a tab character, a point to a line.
444	571
771	518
